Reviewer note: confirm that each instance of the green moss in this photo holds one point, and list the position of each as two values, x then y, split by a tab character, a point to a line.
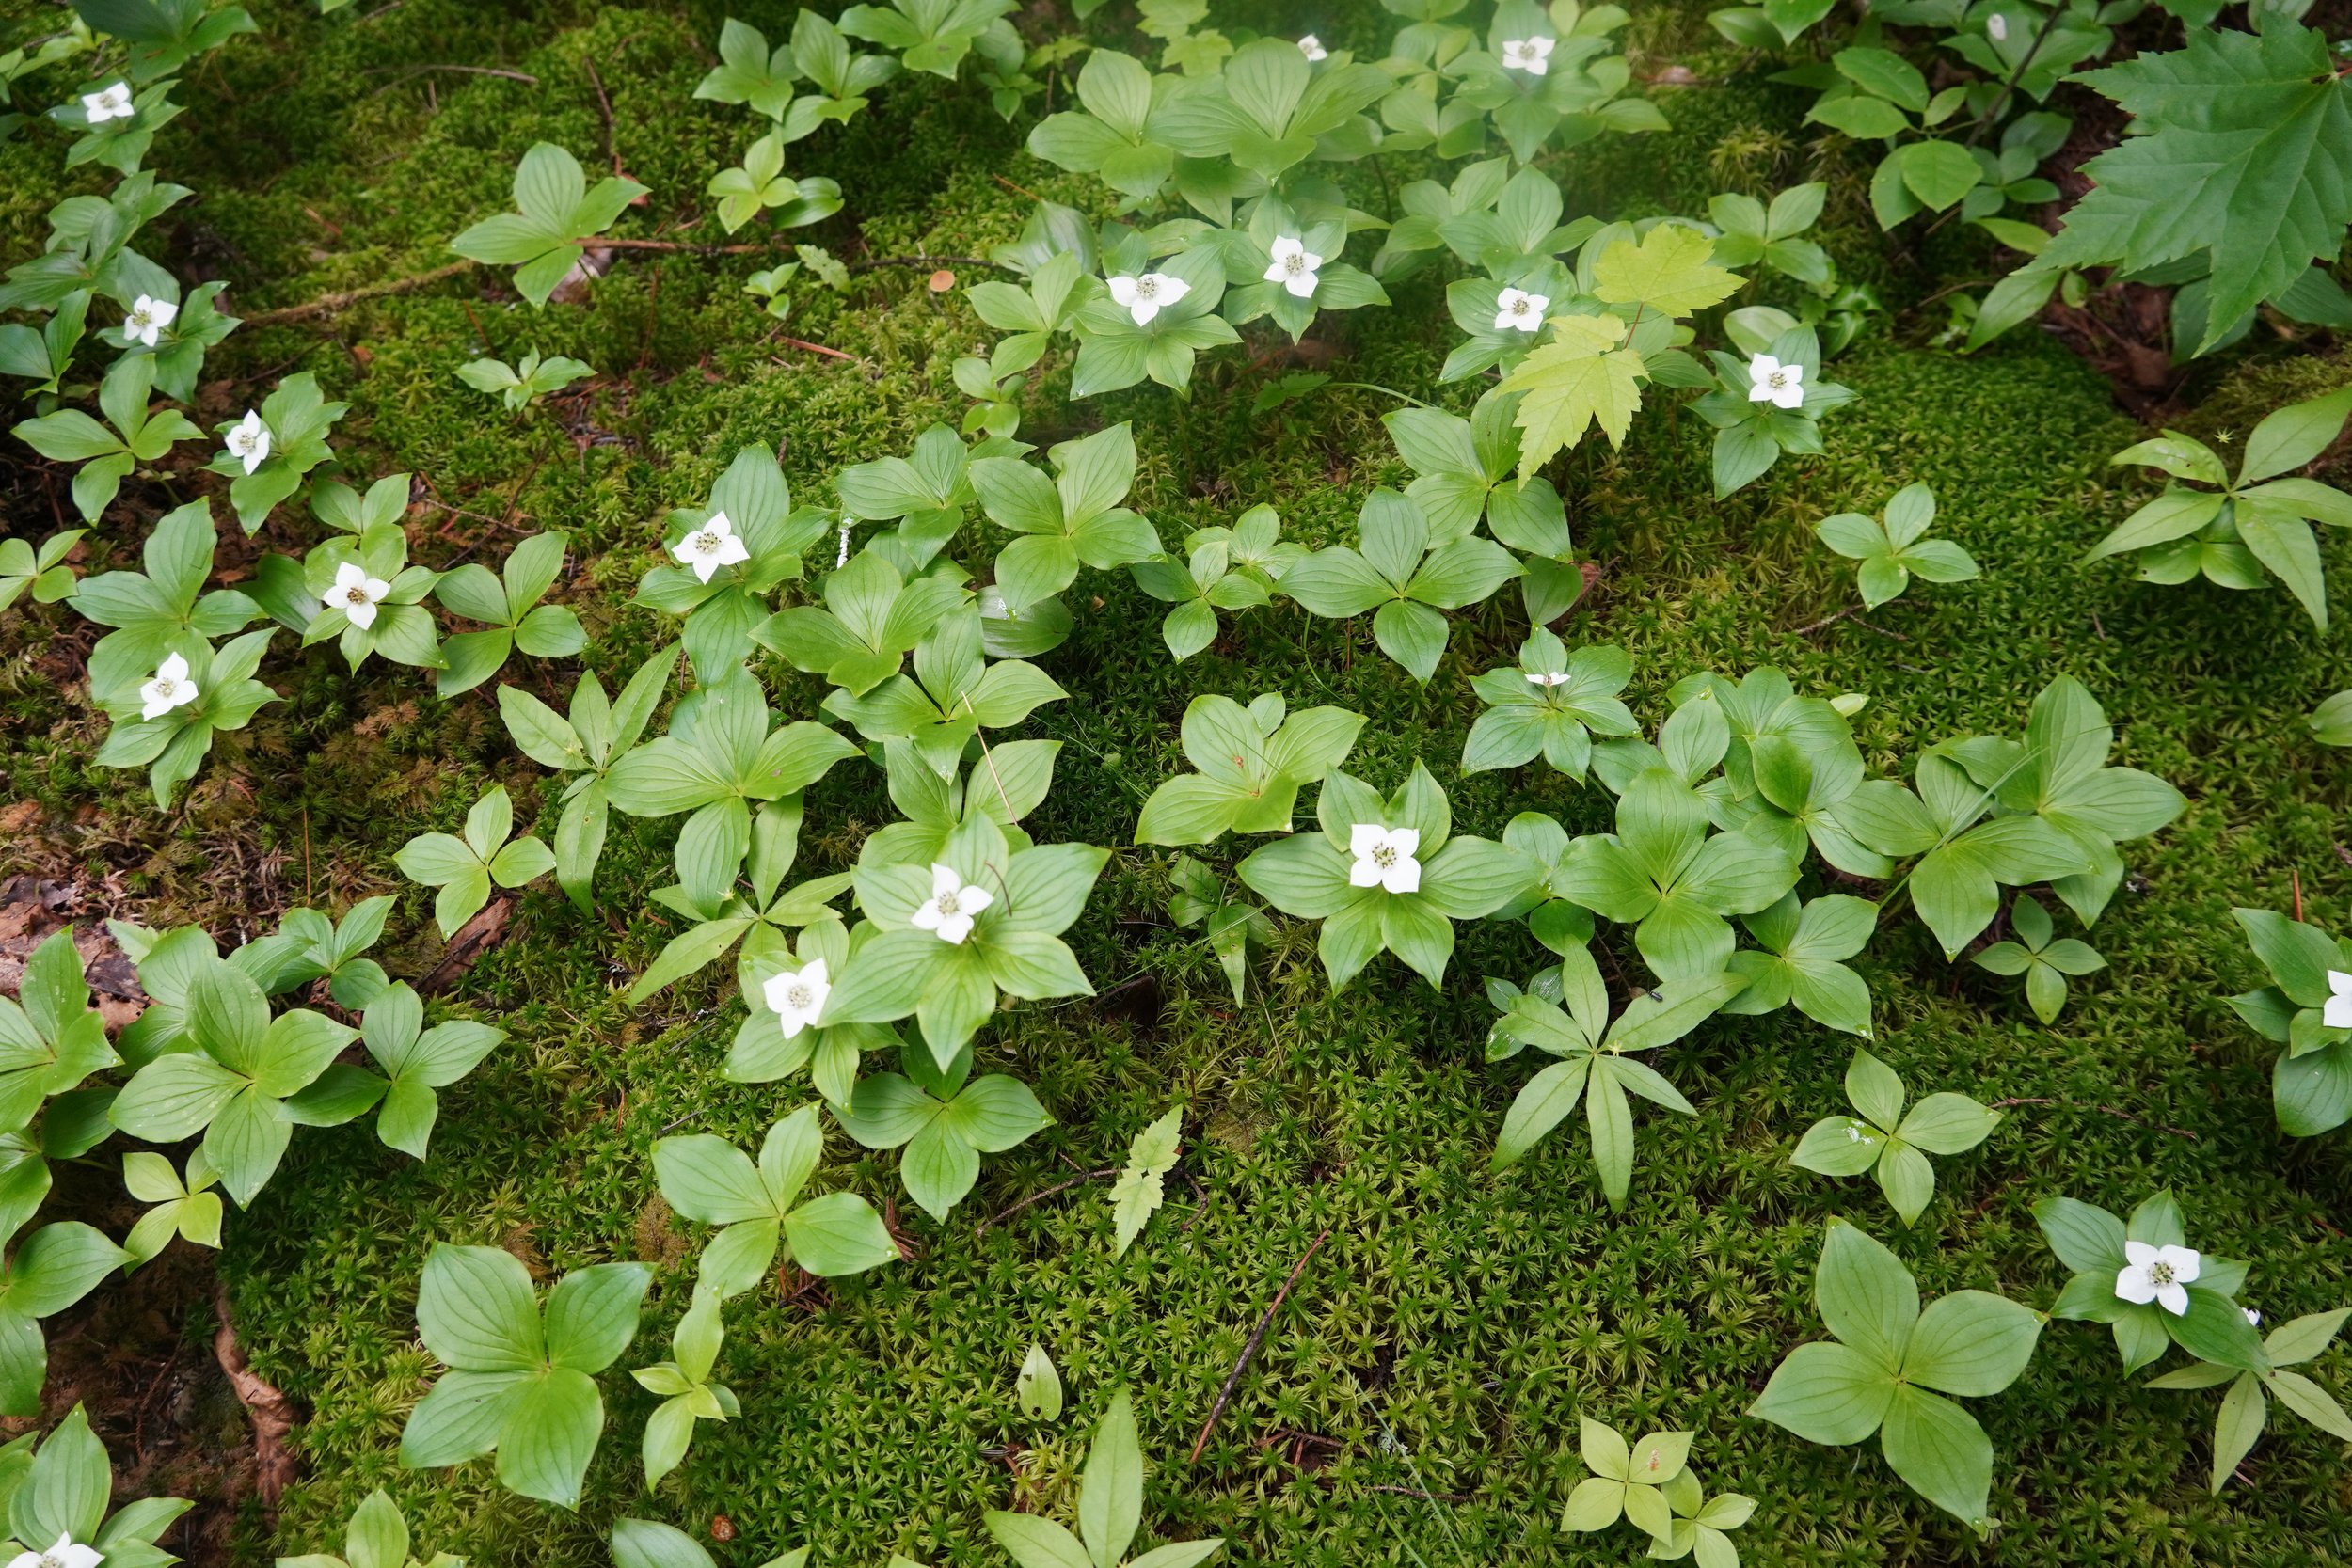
1455	1322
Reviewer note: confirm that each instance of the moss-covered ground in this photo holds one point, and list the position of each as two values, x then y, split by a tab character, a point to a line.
1416	1400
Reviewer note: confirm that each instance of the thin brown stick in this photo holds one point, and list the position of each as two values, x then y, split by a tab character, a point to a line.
819	348
329	304
1079	1179
1021	189
605	105
607	243
1853	614
1249	1350
932	262
2103	1110
2298	877
464	69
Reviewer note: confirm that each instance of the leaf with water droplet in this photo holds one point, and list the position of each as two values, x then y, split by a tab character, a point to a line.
1039	1386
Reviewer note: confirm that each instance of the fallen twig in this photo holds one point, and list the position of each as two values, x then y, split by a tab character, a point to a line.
2104	1110
1853	614
1248	1351
819	348
1078	1180
328	304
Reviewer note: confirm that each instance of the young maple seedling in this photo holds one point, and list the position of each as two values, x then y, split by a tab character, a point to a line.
1141	1188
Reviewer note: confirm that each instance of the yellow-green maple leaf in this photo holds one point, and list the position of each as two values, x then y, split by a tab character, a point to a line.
1582	377
1666	272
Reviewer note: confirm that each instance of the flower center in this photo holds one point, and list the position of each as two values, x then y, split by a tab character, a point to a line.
1517	307
948	903
1777	380
1147	288
799	996
51	1560
1385	856
165	686
1294	264
706	543
2159	1273
356	594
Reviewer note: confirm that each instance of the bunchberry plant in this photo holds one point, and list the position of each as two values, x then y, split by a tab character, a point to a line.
1072	519
269	452
1197	897
2044	962
135	433
521	385
1665	875
982	916
1564	1013
1799	960
43	571
246	1079
2245	1411
557	216
943	1120
43	355
1891	1146
1550	704
872	617
361	592
189	1208
1252	761
1889	1365
1752	235
417	1062
59	1504
759	184
521	1382
508	604
1398	567
2142	1279
1464	470
1892	548
2237	528
1633	1484
954	693
465	869
1110	1507
720	760
1385	874
176	333
761	1207
309	945
376	1537
684	1385
725	559
1230	568
585	745
51	1038
2308	1008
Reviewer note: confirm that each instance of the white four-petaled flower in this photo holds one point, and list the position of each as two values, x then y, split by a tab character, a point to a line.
798	997
1384	857
67	1553
1294	268
1312	48
249	441
148	318
107	104
1997	25
2254	1318
1533	56
1519	311
711	546
1770	381
170	689
2157	1273
2338	1012
1546	677
953	902
356	593
1146	297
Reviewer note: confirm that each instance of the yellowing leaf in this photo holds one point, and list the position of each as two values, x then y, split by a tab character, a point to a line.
1580	377
1140	1187
1666	272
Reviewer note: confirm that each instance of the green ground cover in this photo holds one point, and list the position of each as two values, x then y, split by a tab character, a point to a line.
1454	1323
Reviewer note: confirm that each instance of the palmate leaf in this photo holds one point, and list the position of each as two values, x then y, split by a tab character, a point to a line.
2245	141
1582	377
